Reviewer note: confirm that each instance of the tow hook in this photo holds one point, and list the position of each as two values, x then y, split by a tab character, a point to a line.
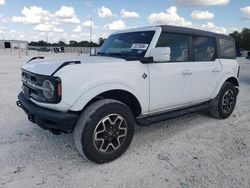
18	104
31	118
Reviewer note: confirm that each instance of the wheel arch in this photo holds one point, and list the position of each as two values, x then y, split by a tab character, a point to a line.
230	79
233	80
120	95
123	95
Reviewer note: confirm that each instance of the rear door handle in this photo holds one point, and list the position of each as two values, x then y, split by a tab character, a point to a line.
187	72
216	69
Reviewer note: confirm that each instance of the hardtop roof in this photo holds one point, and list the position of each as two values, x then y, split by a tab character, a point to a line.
191	31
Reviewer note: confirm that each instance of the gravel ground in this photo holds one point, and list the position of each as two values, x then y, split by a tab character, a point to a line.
191	151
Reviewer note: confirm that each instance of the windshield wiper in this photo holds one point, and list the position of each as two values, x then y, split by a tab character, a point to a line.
101	53
119	55
125	56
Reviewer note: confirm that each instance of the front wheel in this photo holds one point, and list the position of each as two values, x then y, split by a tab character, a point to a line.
104	130
225	105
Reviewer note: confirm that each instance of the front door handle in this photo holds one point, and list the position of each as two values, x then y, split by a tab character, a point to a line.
216	69
187	72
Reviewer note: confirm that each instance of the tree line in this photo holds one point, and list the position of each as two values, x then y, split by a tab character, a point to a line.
72	43
242	39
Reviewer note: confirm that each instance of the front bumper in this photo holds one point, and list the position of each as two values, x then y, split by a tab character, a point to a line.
48	119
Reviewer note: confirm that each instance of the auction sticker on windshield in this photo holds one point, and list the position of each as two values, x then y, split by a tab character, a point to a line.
139	46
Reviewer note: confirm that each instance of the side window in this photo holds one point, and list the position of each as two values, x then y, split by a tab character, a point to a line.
227	48
178	45
204	48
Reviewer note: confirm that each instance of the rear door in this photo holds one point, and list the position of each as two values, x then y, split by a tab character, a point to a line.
171	82
207	67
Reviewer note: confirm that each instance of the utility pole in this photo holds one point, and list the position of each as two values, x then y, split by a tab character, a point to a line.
4	45
90	35
47	38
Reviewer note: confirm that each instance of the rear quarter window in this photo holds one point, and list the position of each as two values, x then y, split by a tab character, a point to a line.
204	48
227	48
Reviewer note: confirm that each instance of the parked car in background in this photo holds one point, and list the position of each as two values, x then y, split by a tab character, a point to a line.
43	49
59	49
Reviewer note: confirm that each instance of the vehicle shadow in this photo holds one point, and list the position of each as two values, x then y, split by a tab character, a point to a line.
169	128
61	148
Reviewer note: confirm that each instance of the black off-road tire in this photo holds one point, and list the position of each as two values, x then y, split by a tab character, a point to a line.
218	110
90	121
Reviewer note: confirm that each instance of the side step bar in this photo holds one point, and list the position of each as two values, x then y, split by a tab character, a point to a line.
148	120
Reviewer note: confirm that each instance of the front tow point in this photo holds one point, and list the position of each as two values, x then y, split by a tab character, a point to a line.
31	118
18	104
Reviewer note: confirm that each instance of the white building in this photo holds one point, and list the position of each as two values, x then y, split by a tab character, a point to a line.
14	45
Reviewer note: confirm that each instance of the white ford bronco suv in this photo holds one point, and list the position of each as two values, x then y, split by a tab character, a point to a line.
140	76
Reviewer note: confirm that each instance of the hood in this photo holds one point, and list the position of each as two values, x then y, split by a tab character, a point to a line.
49	66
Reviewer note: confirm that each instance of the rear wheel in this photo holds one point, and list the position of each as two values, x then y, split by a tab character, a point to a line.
225	105
104	130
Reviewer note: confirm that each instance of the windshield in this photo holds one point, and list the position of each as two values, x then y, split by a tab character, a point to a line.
127	45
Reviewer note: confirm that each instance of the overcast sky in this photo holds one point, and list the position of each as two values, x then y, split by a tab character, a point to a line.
69	20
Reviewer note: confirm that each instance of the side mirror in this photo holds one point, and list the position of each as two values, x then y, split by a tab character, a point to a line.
160	54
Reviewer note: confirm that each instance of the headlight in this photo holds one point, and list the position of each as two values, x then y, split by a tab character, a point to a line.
48	89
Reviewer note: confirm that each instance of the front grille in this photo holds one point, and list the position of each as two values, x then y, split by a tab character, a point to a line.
31	86
29	77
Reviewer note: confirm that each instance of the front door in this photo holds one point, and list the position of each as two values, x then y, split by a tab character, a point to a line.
171	82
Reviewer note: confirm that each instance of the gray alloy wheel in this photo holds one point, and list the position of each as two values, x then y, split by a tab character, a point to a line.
110	133
228	101
225	101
